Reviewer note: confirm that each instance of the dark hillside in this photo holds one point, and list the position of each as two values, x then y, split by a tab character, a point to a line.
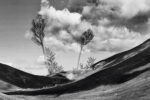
26	80
121	56
127	66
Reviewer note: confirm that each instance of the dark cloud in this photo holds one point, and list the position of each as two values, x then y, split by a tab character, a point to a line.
126	13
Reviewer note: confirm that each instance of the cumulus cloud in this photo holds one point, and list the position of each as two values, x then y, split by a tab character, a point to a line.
41	59
129	13
115	39
131	8
117	24
58	45
63	28
126	8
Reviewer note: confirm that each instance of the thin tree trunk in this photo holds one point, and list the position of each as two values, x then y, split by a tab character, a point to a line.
43	48
78	63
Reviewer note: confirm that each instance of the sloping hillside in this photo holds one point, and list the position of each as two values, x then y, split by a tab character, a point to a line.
136	89
118	69
124	76
121	56
4	86
26	80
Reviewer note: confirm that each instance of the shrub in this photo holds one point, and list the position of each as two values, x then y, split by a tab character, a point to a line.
50	62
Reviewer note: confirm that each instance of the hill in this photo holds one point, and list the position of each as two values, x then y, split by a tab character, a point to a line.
25	80
124	76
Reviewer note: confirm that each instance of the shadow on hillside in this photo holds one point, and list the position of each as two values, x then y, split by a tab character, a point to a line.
117	69
131	76
26	80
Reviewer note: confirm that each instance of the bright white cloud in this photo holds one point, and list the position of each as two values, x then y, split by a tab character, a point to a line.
130	8
115	39
64	27
63	17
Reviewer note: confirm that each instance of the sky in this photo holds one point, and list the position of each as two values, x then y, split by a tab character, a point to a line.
15	20
15	49
22	53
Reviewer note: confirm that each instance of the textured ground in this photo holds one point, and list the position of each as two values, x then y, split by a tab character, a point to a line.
136	89
124	76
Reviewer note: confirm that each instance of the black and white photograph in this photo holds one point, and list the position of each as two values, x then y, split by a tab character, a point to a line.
74	49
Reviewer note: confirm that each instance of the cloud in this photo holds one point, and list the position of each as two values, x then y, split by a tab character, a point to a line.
63	28
125	8
129	13
41	60
117	24
115	39
34	67
131	8
58	45
64	17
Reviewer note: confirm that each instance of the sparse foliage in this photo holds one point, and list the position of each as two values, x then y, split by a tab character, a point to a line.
84	68
38	26
89	63
51	64
85	38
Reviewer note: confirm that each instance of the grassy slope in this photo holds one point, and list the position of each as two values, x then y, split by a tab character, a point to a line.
4	86
6	97
26	80
118	72
126	78
136	89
